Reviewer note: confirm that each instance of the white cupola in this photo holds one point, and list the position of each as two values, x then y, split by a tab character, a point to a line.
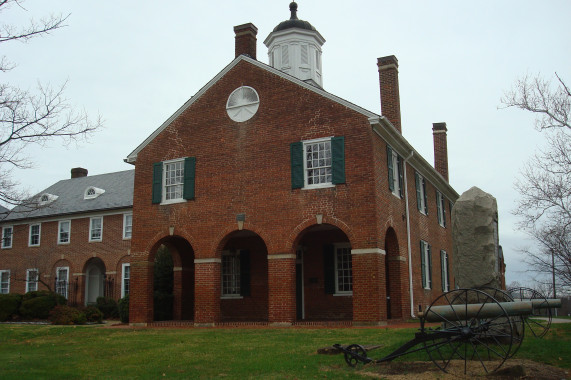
294	47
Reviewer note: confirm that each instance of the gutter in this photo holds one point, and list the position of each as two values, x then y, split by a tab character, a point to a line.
409	249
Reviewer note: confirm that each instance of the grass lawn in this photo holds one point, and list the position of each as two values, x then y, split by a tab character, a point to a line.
49	352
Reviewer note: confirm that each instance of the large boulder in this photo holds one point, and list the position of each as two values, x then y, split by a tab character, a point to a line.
475	240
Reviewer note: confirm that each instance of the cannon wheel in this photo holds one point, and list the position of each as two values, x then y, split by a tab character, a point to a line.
538	327
358	351
480	344
518	322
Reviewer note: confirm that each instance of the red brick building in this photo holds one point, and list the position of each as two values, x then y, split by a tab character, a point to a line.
73	238
282	203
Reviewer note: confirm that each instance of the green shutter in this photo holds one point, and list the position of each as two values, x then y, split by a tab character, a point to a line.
447	270
418	191
422	265
296	158
429	266
189	176
390	168
329	268
157	182
443	269
338	159
245	273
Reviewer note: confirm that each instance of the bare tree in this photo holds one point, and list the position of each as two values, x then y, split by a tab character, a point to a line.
28	118
544	206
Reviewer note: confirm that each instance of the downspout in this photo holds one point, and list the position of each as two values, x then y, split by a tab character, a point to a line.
411	289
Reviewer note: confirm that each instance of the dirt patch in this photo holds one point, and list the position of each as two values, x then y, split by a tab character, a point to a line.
514	369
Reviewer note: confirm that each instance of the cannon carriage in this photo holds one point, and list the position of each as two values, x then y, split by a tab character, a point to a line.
479	328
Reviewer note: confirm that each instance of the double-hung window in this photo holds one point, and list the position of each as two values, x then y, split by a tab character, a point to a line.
62	280
318	163
173	181
126	280
338	269
426	265
31	280
127	226
35	233
395	172
444	271
4	281
7	237
235	273
421	200
96	228
441	208
64	229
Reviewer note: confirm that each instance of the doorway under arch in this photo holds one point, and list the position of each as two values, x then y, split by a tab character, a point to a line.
395	275
94	280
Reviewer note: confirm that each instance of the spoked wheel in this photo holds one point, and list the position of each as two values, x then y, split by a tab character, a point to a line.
538	327
476	334
518	321
357	354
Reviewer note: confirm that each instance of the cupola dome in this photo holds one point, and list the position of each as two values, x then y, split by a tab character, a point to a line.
294	47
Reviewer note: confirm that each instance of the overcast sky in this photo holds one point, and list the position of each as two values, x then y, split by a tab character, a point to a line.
135	63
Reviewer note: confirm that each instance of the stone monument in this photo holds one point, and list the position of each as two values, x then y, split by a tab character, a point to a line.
475	240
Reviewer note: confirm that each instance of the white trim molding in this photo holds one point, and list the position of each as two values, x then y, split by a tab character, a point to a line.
365	251
208	261
282	256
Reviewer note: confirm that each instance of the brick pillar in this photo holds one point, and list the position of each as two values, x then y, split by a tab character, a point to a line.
369	291
177	293
246	40
207	291
389	82
440	149
141	290
281	288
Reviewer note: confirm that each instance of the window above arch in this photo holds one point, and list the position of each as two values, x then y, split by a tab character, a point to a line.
92	192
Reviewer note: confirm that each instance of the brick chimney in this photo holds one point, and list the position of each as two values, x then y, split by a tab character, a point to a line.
78	172
389	81
440	149
246	39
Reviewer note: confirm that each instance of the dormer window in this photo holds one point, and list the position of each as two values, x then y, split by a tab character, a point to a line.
47	198
92	192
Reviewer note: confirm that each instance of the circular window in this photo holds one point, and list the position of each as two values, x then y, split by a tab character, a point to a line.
242	104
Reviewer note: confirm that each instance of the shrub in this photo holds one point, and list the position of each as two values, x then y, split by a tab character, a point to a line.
38	304
124	309
9	306
108	307
66	315
93	314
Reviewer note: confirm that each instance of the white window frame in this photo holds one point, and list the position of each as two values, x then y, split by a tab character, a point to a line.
39	234
325	184
427	266
125	279
396	174
91	230
5	282
127	227
32	284
339	270
4	236
230	282
444	268
423	206
164	185
440	205
57	287
59	232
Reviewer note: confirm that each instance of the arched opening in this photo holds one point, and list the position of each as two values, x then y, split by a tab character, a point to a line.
173	279
324	275
94	280
244	278
395	273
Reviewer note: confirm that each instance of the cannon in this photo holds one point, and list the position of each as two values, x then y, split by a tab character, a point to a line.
477	331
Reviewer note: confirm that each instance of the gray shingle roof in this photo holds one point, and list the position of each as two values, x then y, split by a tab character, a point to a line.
70	192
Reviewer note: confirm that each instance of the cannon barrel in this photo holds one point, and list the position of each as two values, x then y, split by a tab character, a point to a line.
464	312
541	303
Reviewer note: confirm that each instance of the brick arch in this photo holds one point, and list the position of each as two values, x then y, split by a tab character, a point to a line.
295	235
92	260
395	276
223	237
164	235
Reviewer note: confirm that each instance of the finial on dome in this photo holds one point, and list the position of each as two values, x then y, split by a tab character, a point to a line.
293	9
